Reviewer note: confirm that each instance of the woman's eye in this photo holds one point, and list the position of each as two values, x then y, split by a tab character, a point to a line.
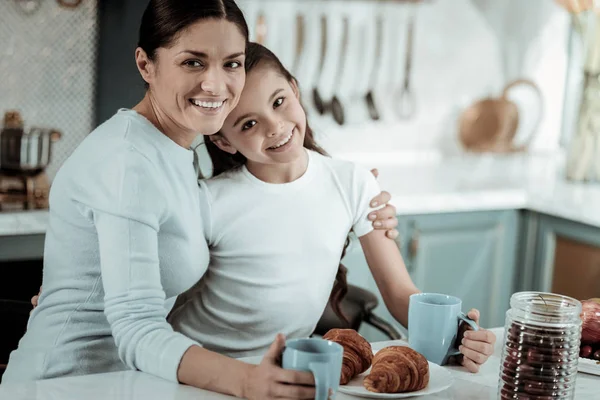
192	63
234	64
278	102
249	124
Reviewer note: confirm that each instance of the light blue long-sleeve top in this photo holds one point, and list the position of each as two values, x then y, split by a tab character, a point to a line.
124	239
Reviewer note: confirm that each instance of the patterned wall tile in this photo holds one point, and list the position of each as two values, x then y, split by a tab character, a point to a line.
48	68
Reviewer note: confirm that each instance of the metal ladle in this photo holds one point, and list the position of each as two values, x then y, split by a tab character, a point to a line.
320	104
336	105
406	98
370	96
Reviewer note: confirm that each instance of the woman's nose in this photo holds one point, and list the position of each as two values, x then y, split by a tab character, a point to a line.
213	82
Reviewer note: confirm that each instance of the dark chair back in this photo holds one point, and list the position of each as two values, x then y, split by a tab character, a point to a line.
357	306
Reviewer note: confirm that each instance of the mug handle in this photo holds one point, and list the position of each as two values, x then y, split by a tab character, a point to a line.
320	371
462	316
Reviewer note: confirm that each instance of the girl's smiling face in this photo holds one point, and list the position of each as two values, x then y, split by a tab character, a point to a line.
268	125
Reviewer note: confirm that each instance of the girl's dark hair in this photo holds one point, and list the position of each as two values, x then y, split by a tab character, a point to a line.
258	55
163	20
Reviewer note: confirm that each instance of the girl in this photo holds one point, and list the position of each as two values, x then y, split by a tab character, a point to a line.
269	172
124	236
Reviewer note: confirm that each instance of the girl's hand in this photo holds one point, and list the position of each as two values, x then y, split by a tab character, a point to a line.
269	381
384	218
477	346
34	299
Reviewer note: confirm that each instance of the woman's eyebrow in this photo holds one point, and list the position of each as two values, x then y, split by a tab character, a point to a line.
201	54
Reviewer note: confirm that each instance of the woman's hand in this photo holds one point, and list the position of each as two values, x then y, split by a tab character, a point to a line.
476	346
384	218
269	381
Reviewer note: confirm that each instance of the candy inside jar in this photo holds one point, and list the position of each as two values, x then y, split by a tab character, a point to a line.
541	347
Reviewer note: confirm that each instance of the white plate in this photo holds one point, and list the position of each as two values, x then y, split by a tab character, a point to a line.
588	366
439	379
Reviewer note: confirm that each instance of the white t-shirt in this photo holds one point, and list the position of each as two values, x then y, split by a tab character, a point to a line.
274	253
124	239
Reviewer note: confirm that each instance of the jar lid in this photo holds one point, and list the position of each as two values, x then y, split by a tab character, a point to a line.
546	307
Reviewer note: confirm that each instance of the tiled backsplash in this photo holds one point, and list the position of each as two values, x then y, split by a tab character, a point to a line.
47	69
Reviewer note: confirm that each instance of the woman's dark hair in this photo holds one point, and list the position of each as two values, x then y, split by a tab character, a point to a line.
258	55
163	20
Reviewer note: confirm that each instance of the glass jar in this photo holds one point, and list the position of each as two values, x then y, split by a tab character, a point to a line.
541	347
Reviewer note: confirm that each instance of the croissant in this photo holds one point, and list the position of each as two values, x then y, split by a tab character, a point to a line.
358	353
397	369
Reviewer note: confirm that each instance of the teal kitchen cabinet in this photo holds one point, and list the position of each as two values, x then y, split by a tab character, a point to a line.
471	255
567	257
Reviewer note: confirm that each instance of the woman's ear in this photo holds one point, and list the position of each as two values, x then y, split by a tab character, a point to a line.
144	64
222	143
295	89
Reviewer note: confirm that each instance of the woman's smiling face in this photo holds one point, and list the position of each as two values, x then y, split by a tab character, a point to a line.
198	80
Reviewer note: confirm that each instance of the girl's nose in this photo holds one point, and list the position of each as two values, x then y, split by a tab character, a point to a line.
276	128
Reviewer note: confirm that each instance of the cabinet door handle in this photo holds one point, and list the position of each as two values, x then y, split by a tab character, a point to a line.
413	246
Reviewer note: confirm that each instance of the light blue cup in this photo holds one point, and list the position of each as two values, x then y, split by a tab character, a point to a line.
433	321
321	357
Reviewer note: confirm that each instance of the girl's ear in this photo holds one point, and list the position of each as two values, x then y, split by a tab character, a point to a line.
222	143
295	89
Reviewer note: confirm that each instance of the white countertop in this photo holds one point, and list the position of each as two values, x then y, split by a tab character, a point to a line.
132	385
431	183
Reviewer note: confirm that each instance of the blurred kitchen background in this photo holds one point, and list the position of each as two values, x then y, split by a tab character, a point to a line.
471	110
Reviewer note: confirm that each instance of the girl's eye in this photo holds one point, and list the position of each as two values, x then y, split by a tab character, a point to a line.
193	63
234	64
278	102
249	124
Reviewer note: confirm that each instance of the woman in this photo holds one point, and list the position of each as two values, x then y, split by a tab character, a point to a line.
125	231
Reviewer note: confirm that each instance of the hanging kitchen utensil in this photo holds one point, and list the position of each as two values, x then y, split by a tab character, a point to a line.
406	99
28	7
318	101
336	105
299	43
69	3
490	124
261	28
370	96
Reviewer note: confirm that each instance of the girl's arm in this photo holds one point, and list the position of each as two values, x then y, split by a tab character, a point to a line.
396	286
390	274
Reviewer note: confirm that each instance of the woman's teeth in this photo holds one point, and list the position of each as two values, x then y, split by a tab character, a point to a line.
283	141
207	104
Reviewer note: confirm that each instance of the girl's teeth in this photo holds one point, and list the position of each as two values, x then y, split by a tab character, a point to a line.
282	142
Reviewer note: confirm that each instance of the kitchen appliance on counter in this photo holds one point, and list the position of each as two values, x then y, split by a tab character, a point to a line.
23	192
24	154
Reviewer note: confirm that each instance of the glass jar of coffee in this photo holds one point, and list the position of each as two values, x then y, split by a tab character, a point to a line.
541	347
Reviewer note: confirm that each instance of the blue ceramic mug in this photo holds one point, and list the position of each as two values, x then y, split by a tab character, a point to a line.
433	321
321	357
